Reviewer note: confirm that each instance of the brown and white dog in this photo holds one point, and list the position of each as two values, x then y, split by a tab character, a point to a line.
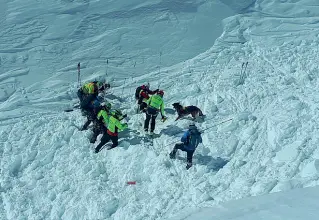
183	111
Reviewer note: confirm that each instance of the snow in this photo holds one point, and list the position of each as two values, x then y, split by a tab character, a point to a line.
293	205
260	133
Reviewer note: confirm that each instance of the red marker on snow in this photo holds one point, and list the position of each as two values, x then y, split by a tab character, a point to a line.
131	182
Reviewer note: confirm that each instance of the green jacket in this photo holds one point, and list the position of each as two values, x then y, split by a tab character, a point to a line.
156	101
114	126
104	117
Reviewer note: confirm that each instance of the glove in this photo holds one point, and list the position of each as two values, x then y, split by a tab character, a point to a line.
164	118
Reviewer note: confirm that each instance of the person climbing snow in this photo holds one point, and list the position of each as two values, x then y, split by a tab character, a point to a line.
101	121
142	94
155	104
190	140
114	126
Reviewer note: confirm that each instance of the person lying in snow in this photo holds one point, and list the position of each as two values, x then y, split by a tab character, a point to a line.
183	111
190	140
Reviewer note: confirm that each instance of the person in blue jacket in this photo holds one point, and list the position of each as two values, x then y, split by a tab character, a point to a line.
190	140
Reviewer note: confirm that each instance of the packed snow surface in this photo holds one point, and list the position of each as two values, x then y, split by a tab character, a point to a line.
261	126
298	204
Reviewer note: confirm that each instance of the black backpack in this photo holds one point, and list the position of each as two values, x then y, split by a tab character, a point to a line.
137	92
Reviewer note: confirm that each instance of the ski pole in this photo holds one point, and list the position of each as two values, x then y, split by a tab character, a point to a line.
123	86
217	124
243	71
160	63
79	75
242	67
107	65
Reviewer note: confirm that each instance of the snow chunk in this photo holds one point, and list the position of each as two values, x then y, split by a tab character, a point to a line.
288	153
311	169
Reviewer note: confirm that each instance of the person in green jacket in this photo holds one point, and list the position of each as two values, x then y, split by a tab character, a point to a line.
101	121
155	104
113	127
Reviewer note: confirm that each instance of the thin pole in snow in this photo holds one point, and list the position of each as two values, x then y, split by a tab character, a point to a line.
79	75
107	64
123	86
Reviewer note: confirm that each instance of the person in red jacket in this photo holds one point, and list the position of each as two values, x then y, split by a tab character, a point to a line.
142	94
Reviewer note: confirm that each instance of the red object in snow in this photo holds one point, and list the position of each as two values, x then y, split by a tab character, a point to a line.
131	182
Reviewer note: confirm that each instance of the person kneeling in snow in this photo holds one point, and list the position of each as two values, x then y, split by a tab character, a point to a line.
191	139
113	127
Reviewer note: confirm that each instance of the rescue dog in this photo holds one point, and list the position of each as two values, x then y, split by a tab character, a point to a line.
183	111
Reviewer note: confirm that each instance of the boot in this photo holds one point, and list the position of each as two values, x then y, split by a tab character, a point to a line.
172	155
93	139
86	125
97	149
189	165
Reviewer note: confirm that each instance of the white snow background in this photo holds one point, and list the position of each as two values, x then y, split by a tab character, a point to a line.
194	51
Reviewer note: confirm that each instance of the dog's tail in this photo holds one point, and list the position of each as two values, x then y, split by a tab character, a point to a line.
200	113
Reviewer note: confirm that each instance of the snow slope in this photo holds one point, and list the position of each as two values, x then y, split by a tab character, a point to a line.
292	205
48	169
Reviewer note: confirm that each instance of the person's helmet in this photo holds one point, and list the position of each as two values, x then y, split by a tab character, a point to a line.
160	92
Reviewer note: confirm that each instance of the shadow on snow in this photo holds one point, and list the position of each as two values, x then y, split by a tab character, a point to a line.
212	163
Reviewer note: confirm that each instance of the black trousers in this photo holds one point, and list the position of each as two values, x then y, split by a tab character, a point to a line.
142	106
98	128
181	147
80	95
151	114
85	99
90	116
106	138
